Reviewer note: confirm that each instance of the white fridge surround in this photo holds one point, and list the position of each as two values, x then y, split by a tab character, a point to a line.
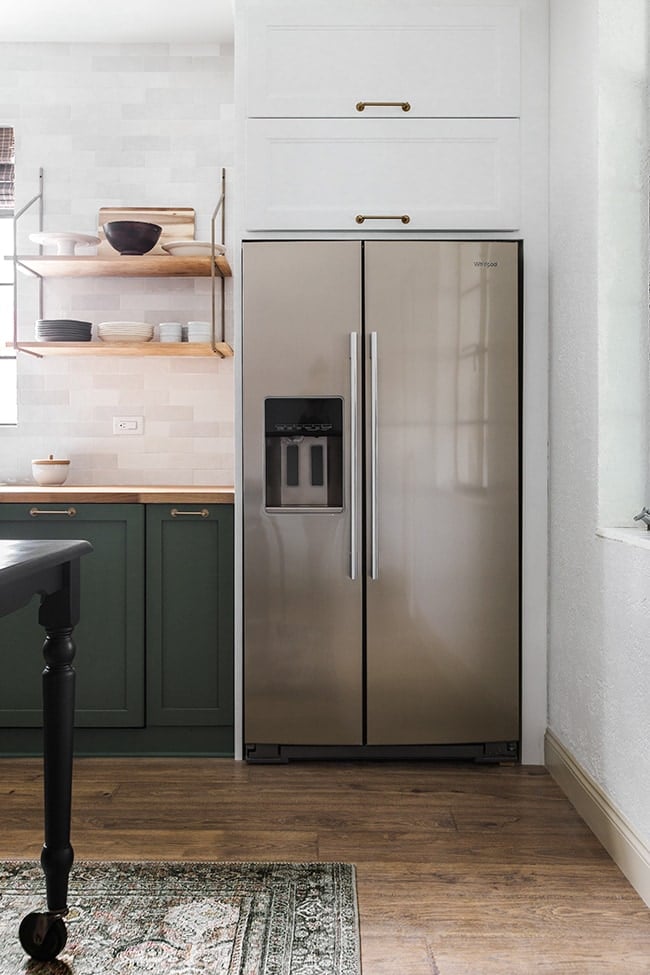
534	63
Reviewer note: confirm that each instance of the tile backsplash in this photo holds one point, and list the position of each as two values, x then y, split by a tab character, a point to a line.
120	125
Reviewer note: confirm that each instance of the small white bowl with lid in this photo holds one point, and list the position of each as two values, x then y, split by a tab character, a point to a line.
50	471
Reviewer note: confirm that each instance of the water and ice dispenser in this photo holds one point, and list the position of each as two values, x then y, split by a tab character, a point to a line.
304	452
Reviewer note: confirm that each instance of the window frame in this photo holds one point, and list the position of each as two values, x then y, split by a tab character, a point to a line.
8	352
8	370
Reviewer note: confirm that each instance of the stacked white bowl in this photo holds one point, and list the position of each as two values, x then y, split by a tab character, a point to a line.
170	331
199	331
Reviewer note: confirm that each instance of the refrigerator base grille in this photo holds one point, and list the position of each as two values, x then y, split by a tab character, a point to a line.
486	752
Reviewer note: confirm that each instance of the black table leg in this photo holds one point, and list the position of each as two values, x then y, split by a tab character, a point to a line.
58	716
44	934
51	569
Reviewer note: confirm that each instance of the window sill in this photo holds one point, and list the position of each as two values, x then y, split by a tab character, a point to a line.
637	537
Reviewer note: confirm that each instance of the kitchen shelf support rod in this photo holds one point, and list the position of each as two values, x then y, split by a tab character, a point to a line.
36	355
37	198
219	208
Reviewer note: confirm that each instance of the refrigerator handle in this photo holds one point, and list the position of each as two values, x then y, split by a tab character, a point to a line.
374	456
353	453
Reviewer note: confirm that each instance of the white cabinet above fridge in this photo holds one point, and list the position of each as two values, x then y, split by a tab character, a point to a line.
325	59
382	174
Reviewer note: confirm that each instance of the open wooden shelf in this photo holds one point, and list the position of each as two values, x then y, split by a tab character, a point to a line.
175	222
47	349
157	265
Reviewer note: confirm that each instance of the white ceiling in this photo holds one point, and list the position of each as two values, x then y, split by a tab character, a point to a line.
181	21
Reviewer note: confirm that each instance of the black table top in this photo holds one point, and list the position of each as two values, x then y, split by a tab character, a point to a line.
22	558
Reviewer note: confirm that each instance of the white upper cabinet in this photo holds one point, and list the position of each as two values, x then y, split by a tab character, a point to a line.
381	115
415	174
328	58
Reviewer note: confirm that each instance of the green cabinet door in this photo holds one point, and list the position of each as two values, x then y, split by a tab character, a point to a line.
189	615
110	635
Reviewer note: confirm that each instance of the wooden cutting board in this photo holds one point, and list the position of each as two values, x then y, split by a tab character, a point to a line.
177	224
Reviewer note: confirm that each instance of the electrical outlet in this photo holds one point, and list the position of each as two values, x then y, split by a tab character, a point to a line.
128	425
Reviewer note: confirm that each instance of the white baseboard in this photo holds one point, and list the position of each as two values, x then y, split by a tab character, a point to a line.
618	837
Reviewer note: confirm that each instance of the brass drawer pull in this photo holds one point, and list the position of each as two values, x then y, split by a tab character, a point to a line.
404	217
405	106
203	513
70	512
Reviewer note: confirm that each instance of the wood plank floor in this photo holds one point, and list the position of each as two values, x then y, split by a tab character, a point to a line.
460	869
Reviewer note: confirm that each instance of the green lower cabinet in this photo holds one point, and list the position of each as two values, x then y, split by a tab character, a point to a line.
189	557
155	643
110	635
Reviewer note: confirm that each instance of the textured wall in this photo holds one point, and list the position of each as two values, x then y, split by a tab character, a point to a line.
599	612
130	125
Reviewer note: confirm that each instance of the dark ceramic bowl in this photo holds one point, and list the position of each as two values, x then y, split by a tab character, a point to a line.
132	236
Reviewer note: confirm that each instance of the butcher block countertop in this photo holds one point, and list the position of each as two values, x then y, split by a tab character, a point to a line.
67	493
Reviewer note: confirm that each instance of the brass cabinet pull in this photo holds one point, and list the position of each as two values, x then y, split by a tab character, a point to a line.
203	513
405	106
70	512
404	217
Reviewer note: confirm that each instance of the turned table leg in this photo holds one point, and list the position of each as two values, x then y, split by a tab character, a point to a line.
58	718
43	934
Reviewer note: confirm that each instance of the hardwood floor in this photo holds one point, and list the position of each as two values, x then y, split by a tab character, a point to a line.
460	869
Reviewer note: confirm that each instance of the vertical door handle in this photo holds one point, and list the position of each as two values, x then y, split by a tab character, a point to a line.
353	453
374	459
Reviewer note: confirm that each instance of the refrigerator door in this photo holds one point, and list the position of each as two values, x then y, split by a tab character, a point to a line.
443	507
302	497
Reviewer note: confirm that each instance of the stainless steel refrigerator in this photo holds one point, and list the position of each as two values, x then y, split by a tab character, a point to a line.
381	510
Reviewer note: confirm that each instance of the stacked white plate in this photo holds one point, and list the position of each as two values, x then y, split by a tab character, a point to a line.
199	331
192	248
125	332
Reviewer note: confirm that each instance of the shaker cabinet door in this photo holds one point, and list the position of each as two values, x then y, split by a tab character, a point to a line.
109	637
321	59
189	615
411	174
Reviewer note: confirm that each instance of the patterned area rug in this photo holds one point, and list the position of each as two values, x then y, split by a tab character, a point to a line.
190	919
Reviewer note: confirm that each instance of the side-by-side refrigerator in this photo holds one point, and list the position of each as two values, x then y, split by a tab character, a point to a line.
381	502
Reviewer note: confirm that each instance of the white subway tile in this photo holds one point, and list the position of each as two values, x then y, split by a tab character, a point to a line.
91	114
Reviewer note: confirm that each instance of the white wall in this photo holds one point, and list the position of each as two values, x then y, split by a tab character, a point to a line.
129	125
599	611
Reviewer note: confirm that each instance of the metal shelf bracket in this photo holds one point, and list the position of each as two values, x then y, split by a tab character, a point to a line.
220	209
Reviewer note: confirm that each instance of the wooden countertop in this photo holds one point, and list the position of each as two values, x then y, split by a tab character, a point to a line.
96	494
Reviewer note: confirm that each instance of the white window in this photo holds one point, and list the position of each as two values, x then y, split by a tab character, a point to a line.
8	393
